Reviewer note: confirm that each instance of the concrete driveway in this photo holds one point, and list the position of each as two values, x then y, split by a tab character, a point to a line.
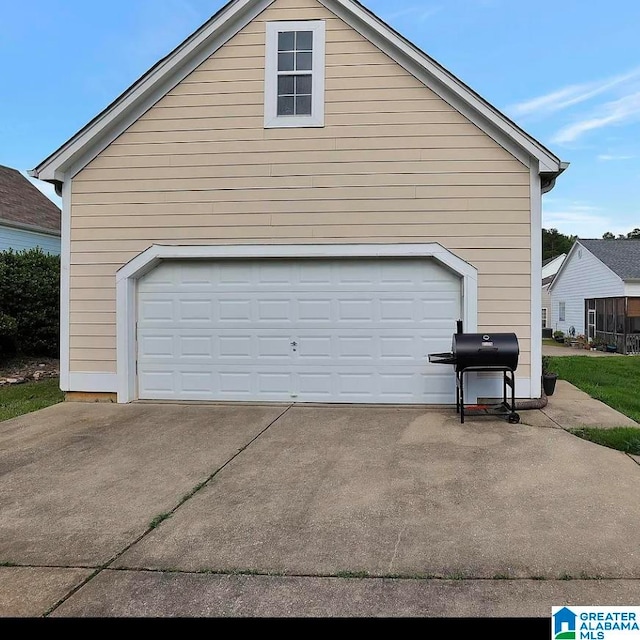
174	510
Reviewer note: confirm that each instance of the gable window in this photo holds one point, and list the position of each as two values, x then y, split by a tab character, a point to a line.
294	74
562	311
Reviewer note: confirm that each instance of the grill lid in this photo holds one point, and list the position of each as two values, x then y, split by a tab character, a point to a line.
481	350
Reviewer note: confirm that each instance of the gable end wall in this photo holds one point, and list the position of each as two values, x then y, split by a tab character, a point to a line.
394	164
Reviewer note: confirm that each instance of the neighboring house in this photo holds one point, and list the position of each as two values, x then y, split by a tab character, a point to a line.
296	205
549	269
597	293
28	219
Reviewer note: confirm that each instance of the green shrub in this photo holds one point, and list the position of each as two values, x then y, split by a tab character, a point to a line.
8	333
30	296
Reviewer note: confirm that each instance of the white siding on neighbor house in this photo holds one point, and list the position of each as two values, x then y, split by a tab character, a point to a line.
20	239
583	277
553	267
632	289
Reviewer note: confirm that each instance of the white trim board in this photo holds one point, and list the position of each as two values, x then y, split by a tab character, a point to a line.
98	134
91	382
536	289
65	286
127	276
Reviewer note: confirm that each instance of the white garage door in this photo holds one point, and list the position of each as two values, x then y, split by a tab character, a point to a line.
339	330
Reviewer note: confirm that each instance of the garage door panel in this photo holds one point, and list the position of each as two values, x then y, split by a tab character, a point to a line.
200	310
195	347
233	383
348	385
307	331
387	347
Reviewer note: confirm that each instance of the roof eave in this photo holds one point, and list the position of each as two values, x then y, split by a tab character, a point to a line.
34	228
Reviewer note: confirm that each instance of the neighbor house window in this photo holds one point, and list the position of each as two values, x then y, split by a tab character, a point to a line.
562	310
544	318
294	74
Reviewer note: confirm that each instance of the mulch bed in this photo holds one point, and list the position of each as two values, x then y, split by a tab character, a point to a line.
21	370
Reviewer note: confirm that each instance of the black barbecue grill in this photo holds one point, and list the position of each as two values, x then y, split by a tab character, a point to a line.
484	352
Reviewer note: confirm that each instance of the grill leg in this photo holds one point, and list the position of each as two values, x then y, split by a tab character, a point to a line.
504	390
457	392
462	397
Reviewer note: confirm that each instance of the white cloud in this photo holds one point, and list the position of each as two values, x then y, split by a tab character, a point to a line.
623	110
46	188
570	95
417	13
606	157
579	219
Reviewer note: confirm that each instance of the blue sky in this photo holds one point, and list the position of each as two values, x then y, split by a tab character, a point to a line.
567	72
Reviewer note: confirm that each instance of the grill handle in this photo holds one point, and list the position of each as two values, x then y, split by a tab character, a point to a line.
442	358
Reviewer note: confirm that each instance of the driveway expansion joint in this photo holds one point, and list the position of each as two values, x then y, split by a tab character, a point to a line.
363	575
155	522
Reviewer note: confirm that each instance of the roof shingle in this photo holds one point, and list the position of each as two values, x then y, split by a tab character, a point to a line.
621	256
21	202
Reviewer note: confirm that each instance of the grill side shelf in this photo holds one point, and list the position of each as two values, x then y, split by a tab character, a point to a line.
442	358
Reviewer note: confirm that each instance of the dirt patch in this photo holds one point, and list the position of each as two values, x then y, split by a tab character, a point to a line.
28	369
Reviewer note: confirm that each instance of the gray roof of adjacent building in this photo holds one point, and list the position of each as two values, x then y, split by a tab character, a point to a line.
621	256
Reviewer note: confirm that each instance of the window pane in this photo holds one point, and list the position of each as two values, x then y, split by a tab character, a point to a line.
286	106
303	85
303	106
285	61
285	85
304	61
286	40
304	40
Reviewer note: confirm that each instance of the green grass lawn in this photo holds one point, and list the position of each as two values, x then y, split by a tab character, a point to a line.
625	439
614	381
16	400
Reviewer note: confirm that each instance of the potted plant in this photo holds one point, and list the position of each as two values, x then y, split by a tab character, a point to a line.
583	342
558	336
549	378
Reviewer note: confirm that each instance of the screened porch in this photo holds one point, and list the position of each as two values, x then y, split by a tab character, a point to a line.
614	321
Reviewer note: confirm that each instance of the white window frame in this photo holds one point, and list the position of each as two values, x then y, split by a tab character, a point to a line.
271	118
562	311
545	317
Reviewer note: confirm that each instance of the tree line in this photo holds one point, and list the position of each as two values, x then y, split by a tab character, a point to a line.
555	243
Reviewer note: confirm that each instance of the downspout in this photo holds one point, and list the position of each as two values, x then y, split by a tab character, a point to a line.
535	403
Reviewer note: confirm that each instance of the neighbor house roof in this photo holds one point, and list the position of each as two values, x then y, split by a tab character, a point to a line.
621	256
23	205
76	153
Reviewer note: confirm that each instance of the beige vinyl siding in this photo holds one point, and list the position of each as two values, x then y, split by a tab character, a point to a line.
394	163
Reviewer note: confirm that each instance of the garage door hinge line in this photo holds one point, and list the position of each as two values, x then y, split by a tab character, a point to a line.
162	517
